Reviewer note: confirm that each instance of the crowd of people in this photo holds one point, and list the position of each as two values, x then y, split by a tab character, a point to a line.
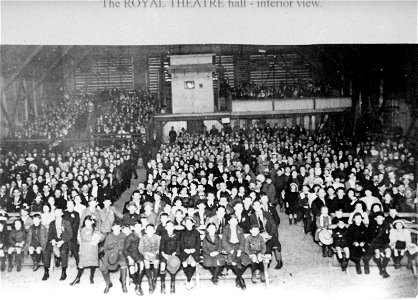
127	113
297	89
211	198
55	119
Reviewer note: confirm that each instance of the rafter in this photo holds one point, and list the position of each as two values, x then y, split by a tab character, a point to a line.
77	64
3	108
23	66
51	68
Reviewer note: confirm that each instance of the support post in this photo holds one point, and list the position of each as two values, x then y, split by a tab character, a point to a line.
3	108
35	100
26	100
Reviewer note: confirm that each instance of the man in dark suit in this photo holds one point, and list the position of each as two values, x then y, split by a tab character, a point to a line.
172	135
4	199
60	234
269	230
27	194
74	218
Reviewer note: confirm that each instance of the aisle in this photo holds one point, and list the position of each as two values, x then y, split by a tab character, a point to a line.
305	270
126	195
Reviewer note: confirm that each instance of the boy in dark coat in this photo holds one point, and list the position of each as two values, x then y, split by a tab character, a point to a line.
131	217
134	257
36	240
115	241
339	236
358	238
74	218
37	205
379	245
169	246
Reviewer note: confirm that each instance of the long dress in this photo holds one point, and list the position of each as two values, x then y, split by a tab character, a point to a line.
89	250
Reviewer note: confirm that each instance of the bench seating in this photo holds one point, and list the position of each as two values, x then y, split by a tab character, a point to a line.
413	227
201	272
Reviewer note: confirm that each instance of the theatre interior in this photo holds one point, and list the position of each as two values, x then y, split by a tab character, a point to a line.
104	124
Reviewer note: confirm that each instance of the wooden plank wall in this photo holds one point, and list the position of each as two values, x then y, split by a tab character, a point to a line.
97	74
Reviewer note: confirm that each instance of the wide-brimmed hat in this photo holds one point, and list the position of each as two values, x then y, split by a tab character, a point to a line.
407	176
325	237
398	221
111	259
319	181
412	249
173	264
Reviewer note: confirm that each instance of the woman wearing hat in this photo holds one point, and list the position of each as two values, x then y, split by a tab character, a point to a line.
92	210
189	249
90	236
400	239
212	248
233	243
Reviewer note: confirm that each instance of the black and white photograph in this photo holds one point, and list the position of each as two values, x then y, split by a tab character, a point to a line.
208	170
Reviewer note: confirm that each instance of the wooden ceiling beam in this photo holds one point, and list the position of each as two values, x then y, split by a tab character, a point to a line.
51	68
23	66
77	64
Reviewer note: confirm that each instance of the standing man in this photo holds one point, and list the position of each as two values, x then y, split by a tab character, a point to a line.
172	135
74	218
